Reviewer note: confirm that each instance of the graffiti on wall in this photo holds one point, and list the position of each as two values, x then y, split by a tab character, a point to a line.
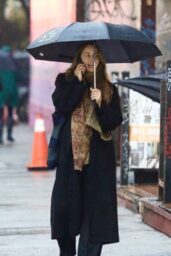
109	10
167	131
163	34
167	134
125	137
169	78
164	25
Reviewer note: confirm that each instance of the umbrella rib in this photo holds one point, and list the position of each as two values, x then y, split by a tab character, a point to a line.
125	50
107	32
64	30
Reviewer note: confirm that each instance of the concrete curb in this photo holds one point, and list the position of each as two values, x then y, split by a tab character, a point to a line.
153	212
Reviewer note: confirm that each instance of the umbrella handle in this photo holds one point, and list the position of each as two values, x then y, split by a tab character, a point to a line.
94	73
94	66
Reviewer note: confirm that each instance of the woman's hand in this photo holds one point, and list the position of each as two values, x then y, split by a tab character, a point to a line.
96	95
79	71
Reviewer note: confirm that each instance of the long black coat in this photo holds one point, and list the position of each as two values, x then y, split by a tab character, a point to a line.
100	177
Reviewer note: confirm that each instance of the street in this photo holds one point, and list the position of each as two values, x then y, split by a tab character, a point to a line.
25	211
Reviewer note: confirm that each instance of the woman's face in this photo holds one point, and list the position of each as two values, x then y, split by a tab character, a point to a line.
87	57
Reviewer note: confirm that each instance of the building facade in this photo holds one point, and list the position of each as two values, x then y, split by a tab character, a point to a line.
46	14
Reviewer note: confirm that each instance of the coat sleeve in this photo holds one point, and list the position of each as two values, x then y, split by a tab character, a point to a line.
110	115
68	93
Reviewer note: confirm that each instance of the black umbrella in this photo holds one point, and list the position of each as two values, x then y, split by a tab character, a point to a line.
119	43
149	86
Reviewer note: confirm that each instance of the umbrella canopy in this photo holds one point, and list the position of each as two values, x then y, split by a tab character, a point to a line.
149	86
119	43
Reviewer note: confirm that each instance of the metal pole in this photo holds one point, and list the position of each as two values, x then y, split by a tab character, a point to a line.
163	90
125	133
167	139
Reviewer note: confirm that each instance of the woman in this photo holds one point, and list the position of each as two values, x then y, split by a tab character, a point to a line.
84	195
8	104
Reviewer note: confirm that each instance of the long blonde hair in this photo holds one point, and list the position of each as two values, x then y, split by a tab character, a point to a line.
102	78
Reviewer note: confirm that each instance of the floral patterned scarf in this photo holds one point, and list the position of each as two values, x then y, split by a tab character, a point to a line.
83	121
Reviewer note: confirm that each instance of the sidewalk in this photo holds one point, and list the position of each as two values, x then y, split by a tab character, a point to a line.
25	211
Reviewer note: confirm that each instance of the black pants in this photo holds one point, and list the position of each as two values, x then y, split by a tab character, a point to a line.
68	245
85	248
9	122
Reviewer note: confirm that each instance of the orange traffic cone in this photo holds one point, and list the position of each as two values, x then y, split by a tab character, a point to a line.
40	146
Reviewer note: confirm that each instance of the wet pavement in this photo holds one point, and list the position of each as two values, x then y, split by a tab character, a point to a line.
25	211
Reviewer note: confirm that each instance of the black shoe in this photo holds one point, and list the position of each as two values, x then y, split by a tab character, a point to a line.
66	254
71	252
1	142
10	139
